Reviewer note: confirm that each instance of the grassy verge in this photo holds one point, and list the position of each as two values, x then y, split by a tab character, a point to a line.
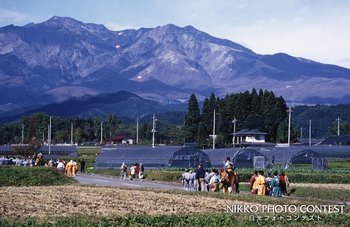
294	176
32	176
339	164
108	172
89	154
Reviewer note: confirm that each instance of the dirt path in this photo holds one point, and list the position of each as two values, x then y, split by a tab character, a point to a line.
58	201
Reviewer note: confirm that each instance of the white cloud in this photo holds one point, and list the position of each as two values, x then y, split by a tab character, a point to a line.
11	15
315	30
119	27
324	38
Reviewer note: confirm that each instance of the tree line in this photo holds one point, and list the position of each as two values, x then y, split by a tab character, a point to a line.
323	118
260	110
35	130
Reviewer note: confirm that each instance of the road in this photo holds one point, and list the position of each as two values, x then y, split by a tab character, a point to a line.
100	180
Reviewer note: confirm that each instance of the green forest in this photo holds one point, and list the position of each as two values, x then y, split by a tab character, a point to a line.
260	110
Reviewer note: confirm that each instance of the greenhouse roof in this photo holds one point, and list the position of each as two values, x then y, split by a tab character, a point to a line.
159	156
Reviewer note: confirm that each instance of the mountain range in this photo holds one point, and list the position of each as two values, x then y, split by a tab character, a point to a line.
125	105
62	58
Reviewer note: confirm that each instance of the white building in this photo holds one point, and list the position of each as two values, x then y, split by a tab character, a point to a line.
127	141
250	136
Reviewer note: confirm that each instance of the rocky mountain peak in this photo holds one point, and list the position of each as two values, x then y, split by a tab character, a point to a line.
63	57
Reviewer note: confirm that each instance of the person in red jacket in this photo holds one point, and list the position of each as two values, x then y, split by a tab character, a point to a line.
284	182
137	169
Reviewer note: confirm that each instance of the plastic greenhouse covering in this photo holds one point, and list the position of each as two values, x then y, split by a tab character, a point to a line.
157	157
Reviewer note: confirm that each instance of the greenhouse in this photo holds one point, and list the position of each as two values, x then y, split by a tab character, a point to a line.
285	156
59	150
112	156
157	157
5	150
309	157
240	157
55	151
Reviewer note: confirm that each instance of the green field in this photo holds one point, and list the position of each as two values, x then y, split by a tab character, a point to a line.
339	164
89	154
32	176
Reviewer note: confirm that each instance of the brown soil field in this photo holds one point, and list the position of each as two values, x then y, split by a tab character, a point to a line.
67	201
328	186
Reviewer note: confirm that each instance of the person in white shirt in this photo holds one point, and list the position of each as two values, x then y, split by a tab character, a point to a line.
60	166
132	172
123	170
214	181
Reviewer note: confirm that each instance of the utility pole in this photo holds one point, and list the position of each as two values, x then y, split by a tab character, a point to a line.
48	134
137	131
309	133
184	133
214	136
301	132
234	132
49	140
22	133
153	129
101	132
71	134
289	123
338	119
139	79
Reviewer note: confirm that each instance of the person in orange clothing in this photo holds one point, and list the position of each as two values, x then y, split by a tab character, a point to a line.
75	168
261	182
253	183
69	168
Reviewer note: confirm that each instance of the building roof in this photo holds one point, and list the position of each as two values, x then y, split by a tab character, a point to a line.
305	141
336	140
249	132
117	138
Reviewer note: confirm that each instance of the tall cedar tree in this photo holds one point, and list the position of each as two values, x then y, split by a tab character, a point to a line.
192	120
262	111
206	120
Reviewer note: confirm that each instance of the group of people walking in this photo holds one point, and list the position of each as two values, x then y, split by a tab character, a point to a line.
226	180
271	185
69	168
200	180
136	170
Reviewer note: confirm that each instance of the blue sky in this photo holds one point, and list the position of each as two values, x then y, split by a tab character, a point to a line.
314	29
